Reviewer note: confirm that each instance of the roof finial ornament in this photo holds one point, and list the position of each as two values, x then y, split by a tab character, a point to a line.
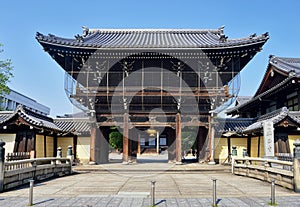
221	29
266	34
39	35
252	36
79	38
223	38
51	35
292	73
85	31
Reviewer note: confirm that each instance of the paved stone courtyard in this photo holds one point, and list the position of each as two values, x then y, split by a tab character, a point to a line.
129	185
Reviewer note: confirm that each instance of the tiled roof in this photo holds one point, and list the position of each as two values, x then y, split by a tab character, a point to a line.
260	96
29	117
275	117
152	38
74	125
230	126
286	65
242	99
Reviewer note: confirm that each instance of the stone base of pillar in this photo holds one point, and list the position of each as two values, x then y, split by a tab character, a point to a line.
125	163
178	163
211	163
92	163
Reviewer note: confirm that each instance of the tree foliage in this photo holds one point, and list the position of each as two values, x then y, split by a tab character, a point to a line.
6	74
116	140
188	138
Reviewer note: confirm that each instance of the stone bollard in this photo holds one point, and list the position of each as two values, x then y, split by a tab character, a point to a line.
58	155
69	152
2	160
272	192
214	204
152	193
297	166
245	153
234	151
31	184
70	156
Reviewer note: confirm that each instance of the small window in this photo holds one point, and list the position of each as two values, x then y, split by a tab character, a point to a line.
292	103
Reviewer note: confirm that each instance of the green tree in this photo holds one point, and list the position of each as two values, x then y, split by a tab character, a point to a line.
116	140
5	74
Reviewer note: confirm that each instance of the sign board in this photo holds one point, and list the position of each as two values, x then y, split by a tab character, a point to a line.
268	138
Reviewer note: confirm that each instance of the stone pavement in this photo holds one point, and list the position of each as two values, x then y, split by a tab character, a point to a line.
117	185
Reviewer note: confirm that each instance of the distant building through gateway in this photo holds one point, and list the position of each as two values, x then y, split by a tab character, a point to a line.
10	102
153	84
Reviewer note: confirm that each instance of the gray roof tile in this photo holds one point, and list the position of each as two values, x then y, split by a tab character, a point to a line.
31	118
152	38
232	125
275	117
74	125
286	65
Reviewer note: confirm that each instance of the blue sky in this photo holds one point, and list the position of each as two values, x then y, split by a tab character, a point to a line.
39	77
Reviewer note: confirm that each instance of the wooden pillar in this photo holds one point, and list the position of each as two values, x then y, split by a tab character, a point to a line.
96	145
132	145
45	145
178	139
211	142
201	137
258	147
139	144
54	145
74	146
249	146
93	144
125	137
229	149
171	144
103	144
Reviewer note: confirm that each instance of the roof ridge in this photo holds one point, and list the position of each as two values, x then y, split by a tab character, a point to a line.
284	110
261	94
70	119
153	30
285	65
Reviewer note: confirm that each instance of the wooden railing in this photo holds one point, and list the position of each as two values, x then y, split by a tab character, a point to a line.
16	173
265	169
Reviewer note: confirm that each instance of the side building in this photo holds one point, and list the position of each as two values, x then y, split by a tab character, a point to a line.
276	101
23	130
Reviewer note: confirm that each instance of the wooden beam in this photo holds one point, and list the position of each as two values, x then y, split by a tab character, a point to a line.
205	94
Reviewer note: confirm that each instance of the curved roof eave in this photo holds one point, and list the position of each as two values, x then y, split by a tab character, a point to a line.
153	48
229	111
30	120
